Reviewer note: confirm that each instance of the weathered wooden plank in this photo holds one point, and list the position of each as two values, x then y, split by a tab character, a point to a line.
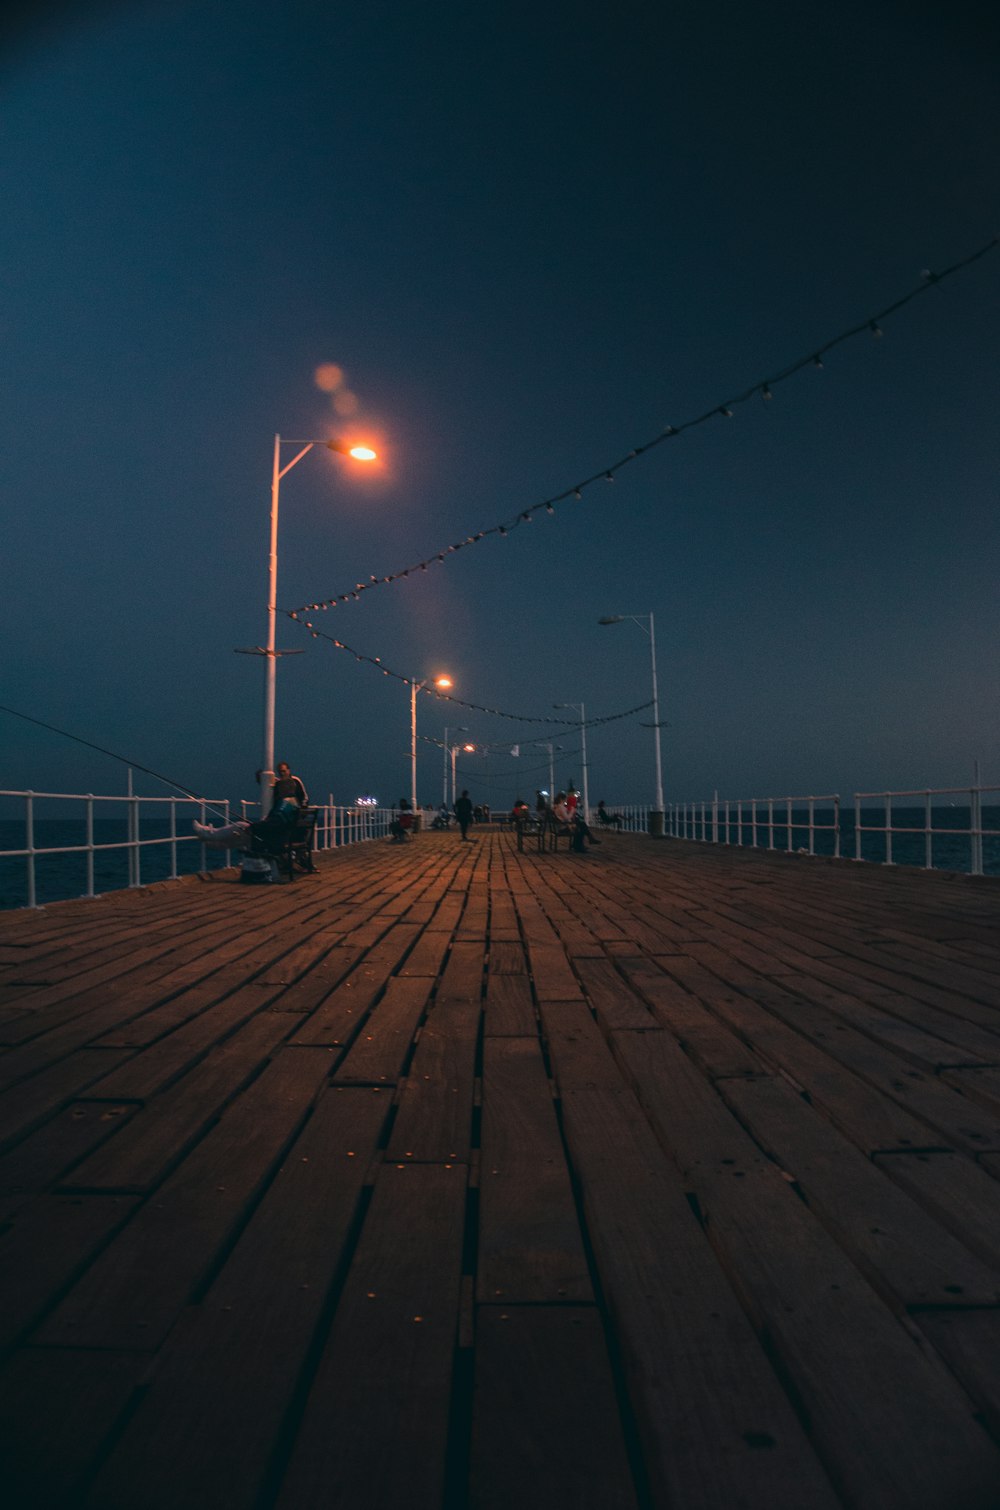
552	974
227	1373
148	1071
867	1116
980	1083
507	958
510	1009
545	1427
952	1117
335	1021
904	1251
132	1293
713	1046
611	997
891	1426
427	955
969	1343
39	1160
381	1049
160	1133
434	1120
530	1248
956	1191
48	1242
463	972
60	1406
717	1429
925	1036
31	1102
374	1430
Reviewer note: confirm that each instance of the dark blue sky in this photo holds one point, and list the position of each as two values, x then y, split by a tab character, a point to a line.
531	237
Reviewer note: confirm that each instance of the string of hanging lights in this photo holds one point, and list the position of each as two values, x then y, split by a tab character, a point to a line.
763	388
449	697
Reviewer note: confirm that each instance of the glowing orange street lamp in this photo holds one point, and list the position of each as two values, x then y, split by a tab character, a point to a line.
415	687
469	750
268	651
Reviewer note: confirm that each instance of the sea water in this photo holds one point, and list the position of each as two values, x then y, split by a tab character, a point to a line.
59	877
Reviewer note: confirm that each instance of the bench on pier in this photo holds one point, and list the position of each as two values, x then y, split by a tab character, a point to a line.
292	848
546	828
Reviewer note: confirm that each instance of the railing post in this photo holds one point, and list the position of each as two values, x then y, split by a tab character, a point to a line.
976	830
888	828
928	833
131	835
29	842
173	838
836	827
770	822
228	852
812	825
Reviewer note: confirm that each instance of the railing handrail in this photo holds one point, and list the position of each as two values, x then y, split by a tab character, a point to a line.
337	825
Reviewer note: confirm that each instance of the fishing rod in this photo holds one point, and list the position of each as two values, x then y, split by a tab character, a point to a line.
122	759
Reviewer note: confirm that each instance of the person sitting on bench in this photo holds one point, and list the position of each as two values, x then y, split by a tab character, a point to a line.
400	826
606	819
288	796
580	834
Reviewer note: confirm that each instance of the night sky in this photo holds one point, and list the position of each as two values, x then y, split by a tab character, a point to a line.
529	236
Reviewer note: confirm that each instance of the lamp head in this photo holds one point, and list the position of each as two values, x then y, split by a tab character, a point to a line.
359	453
442	681
614	618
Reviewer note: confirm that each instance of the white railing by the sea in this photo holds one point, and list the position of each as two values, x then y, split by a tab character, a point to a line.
774	823
335	826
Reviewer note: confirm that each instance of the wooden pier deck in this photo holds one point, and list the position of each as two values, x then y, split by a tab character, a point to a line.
666	1176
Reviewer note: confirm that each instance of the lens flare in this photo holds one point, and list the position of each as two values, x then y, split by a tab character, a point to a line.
328	377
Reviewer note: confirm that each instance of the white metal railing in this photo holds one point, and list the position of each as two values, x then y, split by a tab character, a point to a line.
131	846
78	833
338	825
762	818
974	831
895	838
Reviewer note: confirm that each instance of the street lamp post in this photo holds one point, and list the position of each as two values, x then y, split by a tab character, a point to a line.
469	750
579	708
415	687
268	651
547	744
656	816
444	788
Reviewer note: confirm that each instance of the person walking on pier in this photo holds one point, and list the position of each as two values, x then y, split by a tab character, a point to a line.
463	812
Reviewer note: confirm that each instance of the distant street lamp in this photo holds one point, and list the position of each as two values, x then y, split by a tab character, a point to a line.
547	744
469	750
444	780
656	816
578	708
415	687
268	651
